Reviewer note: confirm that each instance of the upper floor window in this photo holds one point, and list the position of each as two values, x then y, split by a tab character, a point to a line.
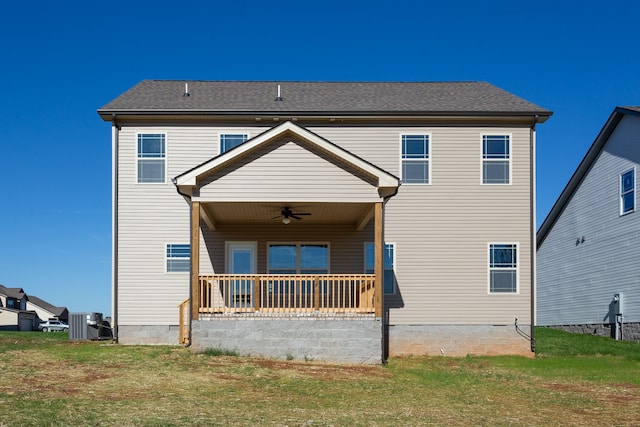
627	192
503	268
231	140
178	258
496	158
415	159
389	261
151	157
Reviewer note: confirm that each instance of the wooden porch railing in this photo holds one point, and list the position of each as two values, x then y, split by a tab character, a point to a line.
274	293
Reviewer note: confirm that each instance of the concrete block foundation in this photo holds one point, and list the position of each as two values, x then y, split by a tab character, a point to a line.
148	334
630	331
331	339
458	340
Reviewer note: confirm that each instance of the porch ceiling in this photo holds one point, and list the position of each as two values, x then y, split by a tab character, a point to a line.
221	213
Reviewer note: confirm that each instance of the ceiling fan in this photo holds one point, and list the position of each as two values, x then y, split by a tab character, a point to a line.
286	213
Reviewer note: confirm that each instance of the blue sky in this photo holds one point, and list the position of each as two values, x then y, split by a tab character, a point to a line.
61	61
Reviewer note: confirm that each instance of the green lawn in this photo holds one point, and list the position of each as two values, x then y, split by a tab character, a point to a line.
575	380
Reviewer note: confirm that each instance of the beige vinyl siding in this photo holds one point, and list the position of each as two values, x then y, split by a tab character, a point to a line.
441	231
40	312
377	145
151	216
287	170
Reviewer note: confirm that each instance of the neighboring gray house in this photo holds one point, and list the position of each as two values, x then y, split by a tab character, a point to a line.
342	221
589	244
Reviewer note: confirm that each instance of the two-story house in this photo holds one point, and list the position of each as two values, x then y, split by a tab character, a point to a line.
342	221
14	313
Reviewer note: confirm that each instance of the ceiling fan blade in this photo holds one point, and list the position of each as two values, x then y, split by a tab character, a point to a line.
286	212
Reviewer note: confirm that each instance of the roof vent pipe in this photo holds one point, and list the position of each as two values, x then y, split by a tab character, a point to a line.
279	98
186	90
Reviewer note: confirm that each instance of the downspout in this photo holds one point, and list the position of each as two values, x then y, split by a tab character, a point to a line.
114	225
532	179
188	197
385	317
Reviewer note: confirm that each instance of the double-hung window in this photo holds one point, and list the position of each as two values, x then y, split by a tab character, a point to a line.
496	159
503	268
231	140
415	159
389	262
152	152
178	258
627	192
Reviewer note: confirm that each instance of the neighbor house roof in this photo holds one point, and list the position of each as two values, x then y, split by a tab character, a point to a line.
16	293
582	169
56	311
339	98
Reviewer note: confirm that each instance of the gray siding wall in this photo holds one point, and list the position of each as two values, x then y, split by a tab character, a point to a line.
577	280
441	230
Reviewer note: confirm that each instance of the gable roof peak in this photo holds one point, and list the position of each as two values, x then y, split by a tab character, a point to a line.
190	177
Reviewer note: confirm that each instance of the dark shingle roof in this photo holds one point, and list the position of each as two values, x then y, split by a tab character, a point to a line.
16	293
155	96
57	311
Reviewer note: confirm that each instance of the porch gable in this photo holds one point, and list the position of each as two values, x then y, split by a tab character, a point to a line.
279	136
287	169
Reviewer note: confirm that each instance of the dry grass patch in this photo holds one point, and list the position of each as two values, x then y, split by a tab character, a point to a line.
59	383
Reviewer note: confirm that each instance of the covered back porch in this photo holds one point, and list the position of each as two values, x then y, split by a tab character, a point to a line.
355	290
287	189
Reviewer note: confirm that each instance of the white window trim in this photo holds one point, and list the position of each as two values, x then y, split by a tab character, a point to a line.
429	159
517	245
620	200
232	131
482	160
166	157
298	244
395	264
166	258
